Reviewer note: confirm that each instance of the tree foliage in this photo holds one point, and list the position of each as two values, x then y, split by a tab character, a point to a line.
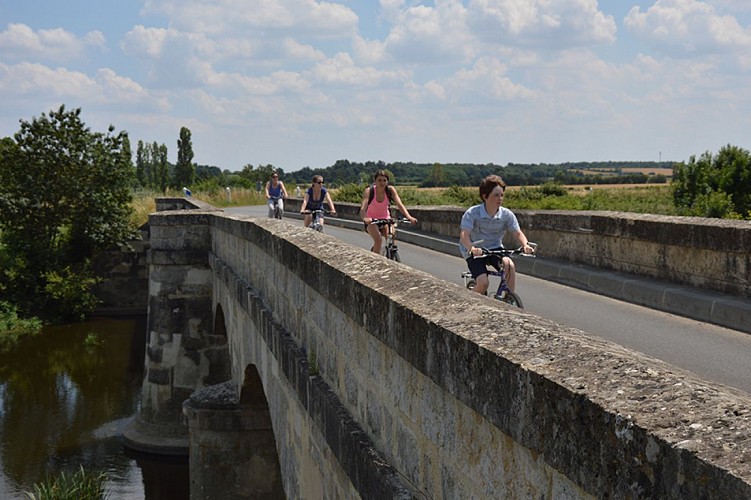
714	185
184	169
64	194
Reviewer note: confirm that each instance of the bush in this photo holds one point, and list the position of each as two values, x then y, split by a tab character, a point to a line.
349	193
70	290
13	328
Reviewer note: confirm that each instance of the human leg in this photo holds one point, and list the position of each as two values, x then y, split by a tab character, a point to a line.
375	233
479	271
270	204
306	220
510	269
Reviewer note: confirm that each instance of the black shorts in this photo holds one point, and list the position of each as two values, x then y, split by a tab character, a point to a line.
479	267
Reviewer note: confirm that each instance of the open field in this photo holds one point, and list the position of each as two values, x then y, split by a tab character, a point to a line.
667	172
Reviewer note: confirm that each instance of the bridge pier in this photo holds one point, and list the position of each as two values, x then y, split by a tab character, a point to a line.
183	353
232	449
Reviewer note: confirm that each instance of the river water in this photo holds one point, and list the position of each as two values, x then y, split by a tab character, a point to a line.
63	404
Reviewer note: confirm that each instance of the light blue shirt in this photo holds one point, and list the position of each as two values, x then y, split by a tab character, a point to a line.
489	229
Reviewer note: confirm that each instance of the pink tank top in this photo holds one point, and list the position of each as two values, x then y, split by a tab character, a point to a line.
379	209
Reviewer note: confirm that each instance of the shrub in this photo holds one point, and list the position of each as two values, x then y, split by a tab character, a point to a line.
70	290
13	328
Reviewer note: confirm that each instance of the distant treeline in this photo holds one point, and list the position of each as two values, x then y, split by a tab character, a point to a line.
470	174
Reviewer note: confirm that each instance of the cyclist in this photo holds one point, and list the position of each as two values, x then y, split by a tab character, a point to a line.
484	226
375	205
314	199
275	194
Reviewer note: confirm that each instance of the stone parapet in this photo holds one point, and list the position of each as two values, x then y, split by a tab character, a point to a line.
693	251
464	397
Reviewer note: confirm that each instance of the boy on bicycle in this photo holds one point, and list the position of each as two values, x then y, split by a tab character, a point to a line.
484	226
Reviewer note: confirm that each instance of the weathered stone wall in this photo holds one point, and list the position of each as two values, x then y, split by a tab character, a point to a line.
374	383
125	278
694	251
182	352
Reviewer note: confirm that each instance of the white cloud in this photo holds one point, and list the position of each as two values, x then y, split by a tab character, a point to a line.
341	70
324	19
21	42
486	80
556	24
147	41
297	50
686	27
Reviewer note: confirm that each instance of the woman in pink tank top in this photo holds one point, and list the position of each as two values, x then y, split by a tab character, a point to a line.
375	205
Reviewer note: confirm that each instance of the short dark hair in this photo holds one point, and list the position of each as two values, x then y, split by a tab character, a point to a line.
489	183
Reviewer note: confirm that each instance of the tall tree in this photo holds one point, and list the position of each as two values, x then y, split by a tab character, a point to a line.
64	194
142	173
184	169
161	164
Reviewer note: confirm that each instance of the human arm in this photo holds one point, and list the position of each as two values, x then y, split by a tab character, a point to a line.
400	205
332	209
266	189
304	203
364	206
466	242
284	190
523	241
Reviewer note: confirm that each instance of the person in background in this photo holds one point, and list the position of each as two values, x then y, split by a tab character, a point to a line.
376	200
315	196
484	226
275	194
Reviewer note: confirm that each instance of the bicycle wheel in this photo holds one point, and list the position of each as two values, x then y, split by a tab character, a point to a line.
319	228
510	298
395	255
471	284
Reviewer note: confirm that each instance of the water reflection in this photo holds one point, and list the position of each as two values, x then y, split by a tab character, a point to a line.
63	403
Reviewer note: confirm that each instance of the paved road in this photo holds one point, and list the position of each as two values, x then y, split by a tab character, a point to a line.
712	352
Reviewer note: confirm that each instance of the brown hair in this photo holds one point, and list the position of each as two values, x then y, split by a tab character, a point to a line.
381	173
489	183
317	178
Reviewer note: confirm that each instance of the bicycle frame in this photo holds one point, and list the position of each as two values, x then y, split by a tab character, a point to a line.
278	211
503	292
317	215
390	250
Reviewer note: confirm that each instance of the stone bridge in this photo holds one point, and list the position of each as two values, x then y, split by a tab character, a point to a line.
292	365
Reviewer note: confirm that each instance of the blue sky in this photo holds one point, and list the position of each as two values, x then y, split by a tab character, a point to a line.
298	83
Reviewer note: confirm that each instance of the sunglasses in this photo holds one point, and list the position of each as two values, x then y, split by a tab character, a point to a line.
318	182
274	176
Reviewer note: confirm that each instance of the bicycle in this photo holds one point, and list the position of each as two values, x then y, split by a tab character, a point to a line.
278	210
317	214
390	250
503	293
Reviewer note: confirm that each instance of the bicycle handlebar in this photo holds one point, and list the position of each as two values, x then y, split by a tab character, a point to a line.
389	222
504	252
317	211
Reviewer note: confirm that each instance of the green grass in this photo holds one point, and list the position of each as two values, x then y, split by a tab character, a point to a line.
79	486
